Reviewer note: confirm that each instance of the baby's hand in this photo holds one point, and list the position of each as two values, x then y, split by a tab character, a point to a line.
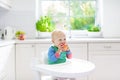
60	48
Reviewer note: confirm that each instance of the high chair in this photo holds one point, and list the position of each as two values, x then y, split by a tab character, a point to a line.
71	69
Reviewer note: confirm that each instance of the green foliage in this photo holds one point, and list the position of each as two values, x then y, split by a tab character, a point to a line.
45	24
93	28
81	23
85	14
18	33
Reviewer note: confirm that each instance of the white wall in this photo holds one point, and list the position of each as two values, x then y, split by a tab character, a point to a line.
111	18
21	17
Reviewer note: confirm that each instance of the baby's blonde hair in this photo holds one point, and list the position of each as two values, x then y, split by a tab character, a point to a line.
56	34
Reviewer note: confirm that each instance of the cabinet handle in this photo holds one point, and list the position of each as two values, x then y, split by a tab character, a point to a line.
33	45
107	47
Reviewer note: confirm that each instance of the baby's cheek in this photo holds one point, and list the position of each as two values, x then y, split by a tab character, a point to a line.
58	44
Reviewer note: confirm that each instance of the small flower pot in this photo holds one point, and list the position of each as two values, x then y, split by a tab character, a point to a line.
44	34
21	37
94	34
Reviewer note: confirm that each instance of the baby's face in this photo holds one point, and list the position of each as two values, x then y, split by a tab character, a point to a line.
59	40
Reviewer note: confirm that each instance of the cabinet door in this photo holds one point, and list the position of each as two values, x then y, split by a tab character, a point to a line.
10	66
41	48
79	50
107	67
107	61
24	55
7	62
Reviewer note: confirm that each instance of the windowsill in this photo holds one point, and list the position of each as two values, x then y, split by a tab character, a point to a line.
71	34
84	34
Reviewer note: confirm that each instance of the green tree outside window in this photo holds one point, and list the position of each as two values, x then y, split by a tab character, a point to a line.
77	13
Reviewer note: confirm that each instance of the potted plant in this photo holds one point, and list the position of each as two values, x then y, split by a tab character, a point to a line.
20	35
44	26
94	31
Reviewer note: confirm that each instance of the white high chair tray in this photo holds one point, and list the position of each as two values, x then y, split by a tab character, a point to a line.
72	68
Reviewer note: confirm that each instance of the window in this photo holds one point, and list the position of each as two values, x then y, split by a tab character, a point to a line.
70	15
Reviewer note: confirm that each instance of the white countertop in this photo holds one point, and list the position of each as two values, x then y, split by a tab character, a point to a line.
46	41
73	40
6	42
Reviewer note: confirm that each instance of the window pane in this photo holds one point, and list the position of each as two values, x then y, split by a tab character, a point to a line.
82	14
76	15
58	10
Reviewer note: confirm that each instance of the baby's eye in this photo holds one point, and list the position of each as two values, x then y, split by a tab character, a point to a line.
60	39
65	39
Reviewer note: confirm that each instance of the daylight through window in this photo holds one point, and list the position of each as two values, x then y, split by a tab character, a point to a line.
69	14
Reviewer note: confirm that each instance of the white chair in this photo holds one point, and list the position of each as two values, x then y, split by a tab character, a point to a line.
39	60
71	69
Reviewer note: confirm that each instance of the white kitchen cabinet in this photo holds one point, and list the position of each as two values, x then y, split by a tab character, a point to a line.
24	57
7	62
41	48
79	50
106	57
5	4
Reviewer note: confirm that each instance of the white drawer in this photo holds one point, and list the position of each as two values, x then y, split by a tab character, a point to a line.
24	45
104	47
